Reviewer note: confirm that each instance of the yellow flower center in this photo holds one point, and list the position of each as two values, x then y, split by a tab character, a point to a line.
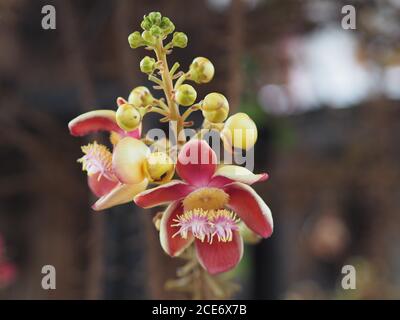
206	198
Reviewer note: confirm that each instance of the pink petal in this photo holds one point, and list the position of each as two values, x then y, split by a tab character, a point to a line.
232	173
92	121
219	256
101	186
197	162
163	194
173	246
122	193
250	207
98	120
121	101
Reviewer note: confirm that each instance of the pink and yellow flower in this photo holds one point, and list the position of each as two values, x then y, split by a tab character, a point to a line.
111	175
207	206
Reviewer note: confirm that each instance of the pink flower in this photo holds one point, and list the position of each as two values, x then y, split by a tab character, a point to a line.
103	178
206	207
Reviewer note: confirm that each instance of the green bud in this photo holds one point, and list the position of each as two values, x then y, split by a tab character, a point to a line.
167	26
155	18
135	40
148	37
201	70
146	23
155	31
185	95
147	65
140	97
179	40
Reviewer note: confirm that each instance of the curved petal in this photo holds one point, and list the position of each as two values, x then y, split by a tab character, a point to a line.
163	194
231	173
173	246
219	256
92	121
128	158
101	186
122	193
196	163
250	207
98	120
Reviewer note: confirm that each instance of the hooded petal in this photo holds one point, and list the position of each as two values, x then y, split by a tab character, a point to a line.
250	207
100	186
128	160
231	173
98	120
163	194
122	193
173	246
219	256
196	163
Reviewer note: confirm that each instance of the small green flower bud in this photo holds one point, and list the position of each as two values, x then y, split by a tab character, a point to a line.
148	37
185	95
201	70
135	40
155	31
179	40
167	26
155	18
147	65
146	23
140	97
215	107
128	117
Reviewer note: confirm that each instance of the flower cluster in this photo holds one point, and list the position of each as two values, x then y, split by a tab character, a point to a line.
210	204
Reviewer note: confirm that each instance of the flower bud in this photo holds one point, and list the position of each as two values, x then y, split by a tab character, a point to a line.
215	107
159	167
146	24
135	40
155	31
128	117
167	26
179	40
185	95
140	97
155	18
201	70
148	37
147	65
240	131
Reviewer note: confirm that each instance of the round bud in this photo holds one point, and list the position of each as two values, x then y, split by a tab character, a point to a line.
135	40
215	107
167	26
240	131
148	37
201	70
140	97
155	18
159	167
179	40
155	31
185	95
147	65
146	23
128	117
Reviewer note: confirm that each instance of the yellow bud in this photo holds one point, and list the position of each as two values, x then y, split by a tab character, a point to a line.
240	131
185	95
128	117
201	70
215	107
159	167
140	97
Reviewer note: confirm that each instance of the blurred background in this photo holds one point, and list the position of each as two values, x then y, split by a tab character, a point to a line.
326	101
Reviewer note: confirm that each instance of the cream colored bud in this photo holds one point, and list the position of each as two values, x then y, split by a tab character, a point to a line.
128	117
140	97
240	131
